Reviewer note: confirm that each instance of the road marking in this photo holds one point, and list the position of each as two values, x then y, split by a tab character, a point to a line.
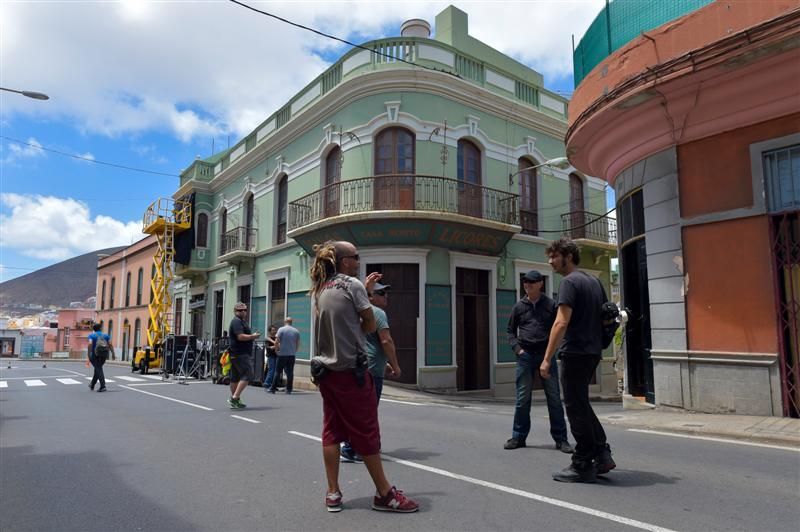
383	399
130	379
3	384
34	382
45	377
201	407
245	419
107	380
68	381
154	377
526	494
721	440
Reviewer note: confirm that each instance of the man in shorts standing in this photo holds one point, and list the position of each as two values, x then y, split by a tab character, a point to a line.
241	350
343	316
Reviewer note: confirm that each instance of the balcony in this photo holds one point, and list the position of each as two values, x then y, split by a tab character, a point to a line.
238	244
407	210
590	228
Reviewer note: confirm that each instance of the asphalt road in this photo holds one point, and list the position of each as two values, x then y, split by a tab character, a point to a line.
148	455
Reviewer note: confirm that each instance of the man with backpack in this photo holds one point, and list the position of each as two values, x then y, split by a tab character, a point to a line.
99	350
578	335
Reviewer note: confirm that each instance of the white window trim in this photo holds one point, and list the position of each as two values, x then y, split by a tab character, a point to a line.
274	275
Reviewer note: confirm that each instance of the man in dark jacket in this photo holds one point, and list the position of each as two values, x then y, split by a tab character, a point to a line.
528	333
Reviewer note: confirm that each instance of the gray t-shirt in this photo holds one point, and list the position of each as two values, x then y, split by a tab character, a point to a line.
289	338
376	357
337	324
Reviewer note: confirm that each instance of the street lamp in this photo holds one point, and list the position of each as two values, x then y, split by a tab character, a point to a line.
562	163
29	94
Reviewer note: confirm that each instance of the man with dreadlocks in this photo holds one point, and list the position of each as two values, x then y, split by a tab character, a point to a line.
343	316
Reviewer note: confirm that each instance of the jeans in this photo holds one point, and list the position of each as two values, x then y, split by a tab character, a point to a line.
97	363
527	366
272	361
285	364
378	381
586	428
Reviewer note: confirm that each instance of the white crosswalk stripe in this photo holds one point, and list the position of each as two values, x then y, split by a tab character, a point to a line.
107	380
34	382
3	384
68	381
130	379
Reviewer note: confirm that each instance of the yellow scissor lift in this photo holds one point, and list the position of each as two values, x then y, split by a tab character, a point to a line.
164	218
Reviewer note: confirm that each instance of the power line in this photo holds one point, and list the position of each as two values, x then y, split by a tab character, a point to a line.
88	159
354	45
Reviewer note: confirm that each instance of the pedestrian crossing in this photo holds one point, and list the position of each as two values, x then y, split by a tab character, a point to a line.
20	382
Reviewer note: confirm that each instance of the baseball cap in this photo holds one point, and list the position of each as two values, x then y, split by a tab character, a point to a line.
532	276
240	306
377	287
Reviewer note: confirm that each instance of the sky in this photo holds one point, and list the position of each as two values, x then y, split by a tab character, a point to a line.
147	86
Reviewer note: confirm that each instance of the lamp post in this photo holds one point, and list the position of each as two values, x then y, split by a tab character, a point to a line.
561	163
29	94
44	341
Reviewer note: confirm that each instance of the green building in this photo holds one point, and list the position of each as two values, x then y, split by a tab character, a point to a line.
420	151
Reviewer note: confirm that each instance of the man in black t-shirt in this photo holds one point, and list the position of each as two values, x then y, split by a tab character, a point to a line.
241	352
577	335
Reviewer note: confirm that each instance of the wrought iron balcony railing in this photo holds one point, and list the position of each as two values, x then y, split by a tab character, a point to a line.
589	225
404	193
241	239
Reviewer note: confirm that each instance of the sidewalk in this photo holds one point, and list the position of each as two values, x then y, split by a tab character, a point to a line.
763	429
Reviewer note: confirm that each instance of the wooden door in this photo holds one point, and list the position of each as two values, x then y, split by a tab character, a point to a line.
333	174
470	191
472	329
394	185
577	215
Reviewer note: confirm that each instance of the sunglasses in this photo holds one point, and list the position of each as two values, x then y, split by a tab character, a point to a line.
379	293
351	257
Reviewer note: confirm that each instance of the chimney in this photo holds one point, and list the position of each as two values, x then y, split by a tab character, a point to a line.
416	27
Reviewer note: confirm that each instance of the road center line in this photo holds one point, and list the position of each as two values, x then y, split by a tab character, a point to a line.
721	440
201	407
402	402
526	494
245	419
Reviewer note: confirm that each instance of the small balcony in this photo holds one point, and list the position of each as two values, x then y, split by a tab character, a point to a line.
407	210
591	228
238	244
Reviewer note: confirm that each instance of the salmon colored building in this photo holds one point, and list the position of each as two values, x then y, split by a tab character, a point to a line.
696	124
123	294
72	334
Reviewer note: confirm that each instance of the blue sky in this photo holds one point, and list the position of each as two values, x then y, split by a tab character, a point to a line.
149	85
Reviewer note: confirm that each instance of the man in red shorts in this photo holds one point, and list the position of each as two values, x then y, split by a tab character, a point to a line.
350	408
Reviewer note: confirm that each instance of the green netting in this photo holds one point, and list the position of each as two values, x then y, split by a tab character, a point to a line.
619	23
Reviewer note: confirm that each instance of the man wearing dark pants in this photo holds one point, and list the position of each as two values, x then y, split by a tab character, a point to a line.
528	330
286	344
241	350
98	355
578	326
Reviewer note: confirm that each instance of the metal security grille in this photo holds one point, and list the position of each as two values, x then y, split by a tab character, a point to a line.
786	251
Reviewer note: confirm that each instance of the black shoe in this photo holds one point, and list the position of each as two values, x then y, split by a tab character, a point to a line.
271	390
604	461
514	443
587	475
91	387
102	389
288	392
564	447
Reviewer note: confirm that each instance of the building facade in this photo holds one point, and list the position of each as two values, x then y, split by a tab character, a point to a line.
426	153
124	290
696	124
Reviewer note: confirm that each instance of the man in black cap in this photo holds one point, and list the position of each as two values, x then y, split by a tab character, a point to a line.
528	333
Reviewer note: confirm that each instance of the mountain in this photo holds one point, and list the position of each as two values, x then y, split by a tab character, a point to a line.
71	280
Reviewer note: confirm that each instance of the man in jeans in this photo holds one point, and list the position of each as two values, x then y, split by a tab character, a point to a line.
528	332
578	326
287	343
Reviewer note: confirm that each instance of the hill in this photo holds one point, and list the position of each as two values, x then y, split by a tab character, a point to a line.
71	280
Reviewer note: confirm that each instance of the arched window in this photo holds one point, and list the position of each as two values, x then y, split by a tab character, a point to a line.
137	334
395	165
282	207
202	230
333	174
111	330
126	338
103	296
128	290
249	207
576	208
139	287
223	228
111	294
528	198
469	173
152	284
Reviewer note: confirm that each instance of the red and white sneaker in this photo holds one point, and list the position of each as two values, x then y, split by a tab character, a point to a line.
394	501
333	501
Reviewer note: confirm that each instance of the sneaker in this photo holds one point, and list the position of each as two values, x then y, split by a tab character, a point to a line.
333	502
91	387
271	390
565	447
586	475
604	461
240	404
102	389
394	501
514	443
233	403
350	456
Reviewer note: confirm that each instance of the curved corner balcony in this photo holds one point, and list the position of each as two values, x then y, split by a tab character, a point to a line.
406	210
590	228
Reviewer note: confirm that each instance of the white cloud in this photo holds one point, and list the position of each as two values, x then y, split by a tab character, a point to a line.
32	149
51	228
212	68
88	156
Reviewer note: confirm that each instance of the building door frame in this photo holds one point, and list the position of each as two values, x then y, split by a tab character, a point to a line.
476	262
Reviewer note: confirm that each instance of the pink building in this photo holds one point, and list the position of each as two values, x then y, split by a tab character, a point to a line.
123	294
74	327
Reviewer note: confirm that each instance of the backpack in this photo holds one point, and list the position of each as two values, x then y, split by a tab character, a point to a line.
609	319
101	348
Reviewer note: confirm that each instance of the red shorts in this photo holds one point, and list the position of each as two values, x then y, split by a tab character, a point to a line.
350	413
